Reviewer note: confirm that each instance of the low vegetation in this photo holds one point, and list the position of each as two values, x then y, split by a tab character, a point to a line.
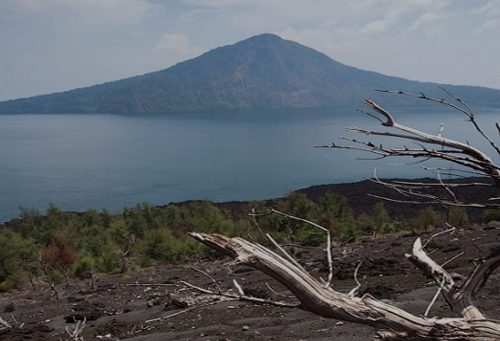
56	246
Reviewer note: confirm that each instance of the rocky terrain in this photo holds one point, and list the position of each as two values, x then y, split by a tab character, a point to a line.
154	304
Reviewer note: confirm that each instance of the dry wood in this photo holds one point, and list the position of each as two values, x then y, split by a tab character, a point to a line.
241	296
328	248
75	333
391	322
428	147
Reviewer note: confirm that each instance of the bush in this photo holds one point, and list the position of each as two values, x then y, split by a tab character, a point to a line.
59	256
426	219
17	259
492	214
457	216
84	268
308	235
158	244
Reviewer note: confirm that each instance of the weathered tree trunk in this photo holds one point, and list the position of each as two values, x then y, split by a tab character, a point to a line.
391	323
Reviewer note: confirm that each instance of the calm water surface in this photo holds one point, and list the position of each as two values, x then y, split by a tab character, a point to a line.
112	161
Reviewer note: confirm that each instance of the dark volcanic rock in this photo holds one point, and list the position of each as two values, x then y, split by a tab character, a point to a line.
381	292
85	311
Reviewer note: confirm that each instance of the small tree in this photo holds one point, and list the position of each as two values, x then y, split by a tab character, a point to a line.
59	256
17	260
381	218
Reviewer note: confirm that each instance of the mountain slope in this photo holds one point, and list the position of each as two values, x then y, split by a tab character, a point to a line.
264	71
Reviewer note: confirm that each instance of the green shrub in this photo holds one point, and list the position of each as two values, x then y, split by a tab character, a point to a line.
108	261
17	259
492	214
426	219
308	235
84	268
457	216
158	244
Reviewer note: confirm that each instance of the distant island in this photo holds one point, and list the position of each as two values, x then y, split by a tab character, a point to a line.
264	71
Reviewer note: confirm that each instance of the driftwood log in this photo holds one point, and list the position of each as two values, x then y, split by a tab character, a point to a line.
391	322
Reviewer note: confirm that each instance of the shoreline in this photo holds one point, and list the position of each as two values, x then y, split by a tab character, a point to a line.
356	193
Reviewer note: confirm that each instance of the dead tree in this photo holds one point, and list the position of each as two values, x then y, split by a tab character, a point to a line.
470	161
391	322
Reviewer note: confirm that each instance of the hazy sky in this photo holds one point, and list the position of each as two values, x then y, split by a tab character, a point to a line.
55	45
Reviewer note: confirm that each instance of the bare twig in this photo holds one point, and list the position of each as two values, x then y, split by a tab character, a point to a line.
354	290
324	229
75	333
241	296
428	147
4	324
238	288
209	277
432	184
462	107
447	188
183	311
457	296
436	295
55	293
275	292
256	223
149	284
451	229
283	251
453	258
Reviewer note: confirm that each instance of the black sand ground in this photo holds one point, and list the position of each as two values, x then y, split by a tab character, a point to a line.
117	309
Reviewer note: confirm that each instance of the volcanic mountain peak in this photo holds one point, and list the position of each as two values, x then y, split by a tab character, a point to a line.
264	71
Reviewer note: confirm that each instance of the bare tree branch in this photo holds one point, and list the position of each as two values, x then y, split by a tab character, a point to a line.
463	107
354	290
328	241
460	153
391	322
241	296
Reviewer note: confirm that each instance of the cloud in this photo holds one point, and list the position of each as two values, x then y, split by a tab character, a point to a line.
490	14
177	43
492	7
421	39
220	3
378	26
69	43
424	20
103	11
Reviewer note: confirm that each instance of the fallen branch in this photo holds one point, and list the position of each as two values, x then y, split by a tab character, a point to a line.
241	296
149	284
328	249
75	333
391	322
